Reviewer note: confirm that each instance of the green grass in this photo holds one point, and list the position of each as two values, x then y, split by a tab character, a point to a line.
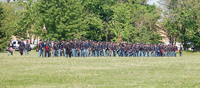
188	52
160	72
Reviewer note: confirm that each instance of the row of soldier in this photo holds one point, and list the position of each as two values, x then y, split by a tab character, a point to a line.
91	48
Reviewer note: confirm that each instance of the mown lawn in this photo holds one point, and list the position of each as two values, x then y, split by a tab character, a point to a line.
107	72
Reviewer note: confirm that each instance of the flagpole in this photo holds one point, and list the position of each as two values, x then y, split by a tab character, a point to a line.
119	37
42	30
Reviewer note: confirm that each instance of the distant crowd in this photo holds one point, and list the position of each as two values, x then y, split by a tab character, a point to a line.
89	48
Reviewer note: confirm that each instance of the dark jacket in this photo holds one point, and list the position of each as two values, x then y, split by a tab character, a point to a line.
92	47
56	46
61	46
68	47
21	46
27	47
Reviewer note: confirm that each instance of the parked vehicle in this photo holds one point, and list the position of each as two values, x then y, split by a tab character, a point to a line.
16	44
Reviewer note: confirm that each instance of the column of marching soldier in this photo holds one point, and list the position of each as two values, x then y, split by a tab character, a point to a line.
89	48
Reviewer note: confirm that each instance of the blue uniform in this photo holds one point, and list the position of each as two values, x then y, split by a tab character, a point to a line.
40	49
21	48
55	50
87	49
27	48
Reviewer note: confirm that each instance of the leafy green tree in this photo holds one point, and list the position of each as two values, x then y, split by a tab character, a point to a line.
100	20
135	20
7	22
181	21
29	17
63	19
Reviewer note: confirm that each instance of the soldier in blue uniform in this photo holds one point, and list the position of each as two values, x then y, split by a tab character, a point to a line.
27	48
168	51
40	48
122	54
76	48
87	48
96	49
110	49
80	52
55	48
148	51
118	49
154	50
175	49
21	47
68	47
47	48
126	50
92	53
180	51
71	44
104	49
133	51
157	50
114	49
83	48
171	51
61	48
130	49
165	51
90	50
101	49
107	49
138	50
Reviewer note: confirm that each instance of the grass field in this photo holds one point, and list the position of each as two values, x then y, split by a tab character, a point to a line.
160	72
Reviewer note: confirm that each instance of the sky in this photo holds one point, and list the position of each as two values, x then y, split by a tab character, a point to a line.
2	0
150	1
5	0
153	1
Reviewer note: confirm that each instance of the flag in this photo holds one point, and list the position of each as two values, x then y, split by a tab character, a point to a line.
45	29
119	38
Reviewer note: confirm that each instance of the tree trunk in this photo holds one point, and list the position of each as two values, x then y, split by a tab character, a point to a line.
128	40
184	45
37	41
34	40
175	40
106	35
172	41
30	34
88	12
30	38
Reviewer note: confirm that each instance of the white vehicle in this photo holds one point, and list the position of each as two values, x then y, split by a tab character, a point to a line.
16	44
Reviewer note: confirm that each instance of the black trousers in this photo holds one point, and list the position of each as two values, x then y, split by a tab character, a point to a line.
21	51
47	53
68	53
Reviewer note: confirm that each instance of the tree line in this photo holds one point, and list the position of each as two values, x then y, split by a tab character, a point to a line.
102	20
